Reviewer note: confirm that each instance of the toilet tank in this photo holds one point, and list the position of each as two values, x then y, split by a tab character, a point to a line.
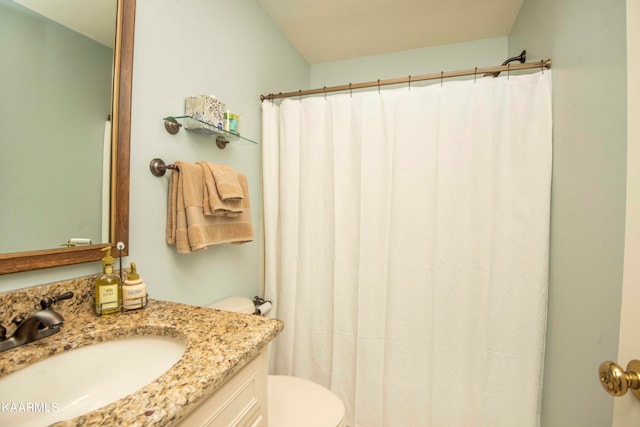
235	304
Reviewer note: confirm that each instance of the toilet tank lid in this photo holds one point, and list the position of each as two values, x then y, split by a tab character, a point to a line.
235	304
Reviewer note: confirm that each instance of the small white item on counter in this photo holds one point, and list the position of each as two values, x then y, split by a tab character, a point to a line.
134	290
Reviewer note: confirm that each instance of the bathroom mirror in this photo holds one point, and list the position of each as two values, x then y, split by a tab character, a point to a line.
118	214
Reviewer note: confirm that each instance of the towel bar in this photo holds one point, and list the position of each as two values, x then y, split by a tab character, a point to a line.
159	167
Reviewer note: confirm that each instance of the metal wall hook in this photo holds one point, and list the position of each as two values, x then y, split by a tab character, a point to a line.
616	381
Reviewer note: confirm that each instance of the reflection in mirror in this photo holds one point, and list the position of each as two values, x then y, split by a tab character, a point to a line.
56	142
49	159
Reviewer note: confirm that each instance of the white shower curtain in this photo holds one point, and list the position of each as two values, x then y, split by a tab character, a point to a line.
407	236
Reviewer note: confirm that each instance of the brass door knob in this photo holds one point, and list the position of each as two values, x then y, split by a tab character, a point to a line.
617	381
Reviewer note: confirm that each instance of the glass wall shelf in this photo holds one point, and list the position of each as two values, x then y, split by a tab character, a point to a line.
192	124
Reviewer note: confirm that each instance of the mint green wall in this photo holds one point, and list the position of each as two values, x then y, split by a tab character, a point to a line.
231	50
480	53
55	86
586	41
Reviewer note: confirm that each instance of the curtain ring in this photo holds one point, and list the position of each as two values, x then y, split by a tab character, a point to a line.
542	66
325	93
350	92
378	86
409	81
441	77
299	95
508	71
475	74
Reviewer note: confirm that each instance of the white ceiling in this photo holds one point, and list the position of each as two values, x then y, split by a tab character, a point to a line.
331	30
95	19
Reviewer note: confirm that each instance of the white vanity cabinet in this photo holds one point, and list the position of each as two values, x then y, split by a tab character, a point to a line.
241	401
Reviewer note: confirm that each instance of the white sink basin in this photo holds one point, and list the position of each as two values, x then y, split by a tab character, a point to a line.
78	381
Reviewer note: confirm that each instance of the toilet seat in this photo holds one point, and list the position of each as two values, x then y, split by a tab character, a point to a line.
292	401
295	402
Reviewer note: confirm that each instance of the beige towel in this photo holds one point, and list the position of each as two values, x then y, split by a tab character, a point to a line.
212	202
177	227
172	205
187	226
227	181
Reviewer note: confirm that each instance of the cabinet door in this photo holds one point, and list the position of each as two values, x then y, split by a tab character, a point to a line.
241	401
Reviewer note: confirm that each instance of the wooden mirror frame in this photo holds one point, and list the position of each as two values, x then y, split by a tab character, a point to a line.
120	143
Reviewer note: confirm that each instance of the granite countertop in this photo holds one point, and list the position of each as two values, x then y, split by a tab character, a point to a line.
218	344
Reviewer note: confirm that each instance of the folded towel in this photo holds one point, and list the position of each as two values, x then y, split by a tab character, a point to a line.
227	181
172	205
187	226
177	227
212	203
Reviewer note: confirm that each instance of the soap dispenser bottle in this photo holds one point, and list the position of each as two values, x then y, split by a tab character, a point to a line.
134	290
107	294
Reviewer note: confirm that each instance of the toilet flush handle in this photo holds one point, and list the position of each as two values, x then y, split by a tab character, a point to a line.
616	381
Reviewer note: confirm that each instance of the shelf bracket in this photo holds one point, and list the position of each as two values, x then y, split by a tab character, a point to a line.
171	125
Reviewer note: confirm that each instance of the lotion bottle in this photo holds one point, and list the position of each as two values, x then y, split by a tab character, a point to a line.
107	291
134	291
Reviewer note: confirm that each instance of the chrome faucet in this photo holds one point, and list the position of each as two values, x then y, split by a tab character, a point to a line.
38	325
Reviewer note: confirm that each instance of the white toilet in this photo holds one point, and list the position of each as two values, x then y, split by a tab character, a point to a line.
293	402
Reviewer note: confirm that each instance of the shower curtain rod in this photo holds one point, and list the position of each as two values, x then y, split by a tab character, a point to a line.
542	64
